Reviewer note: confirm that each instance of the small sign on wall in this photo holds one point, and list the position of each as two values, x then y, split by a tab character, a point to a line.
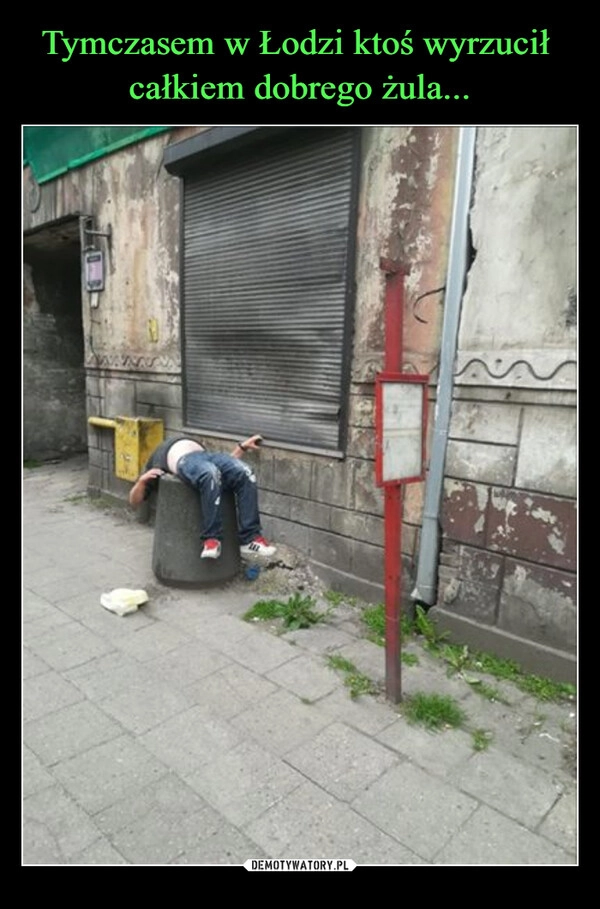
400	427
94	270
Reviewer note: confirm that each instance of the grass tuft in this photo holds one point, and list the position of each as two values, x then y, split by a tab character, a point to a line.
296	612
486	691
459	658
409	659
434	711
481	739
374	618
355	681
335	598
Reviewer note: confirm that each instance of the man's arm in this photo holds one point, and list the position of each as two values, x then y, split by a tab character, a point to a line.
251	444
137	493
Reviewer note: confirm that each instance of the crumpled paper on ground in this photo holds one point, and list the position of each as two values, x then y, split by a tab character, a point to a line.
122	601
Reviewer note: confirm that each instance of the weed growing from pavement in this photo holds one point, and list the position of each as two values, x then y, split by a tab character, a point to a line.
31	463
434	711
507	670
296	612
409	659
374	618
457	658
355	681
423	626
486	691
264	611
461	659
545	689
481	739
338	662
335	598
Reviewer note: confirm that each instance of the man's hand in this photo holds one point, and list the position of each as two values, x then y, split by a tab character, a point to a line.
137	492
151	474
253	443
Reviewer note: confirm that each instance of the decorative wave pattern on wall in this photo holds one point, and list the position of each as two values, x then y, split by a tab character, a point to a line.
543	368
512	366
134	362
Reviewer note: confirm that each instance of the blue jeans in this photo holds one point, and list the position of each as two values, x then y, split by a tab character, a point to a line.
211	472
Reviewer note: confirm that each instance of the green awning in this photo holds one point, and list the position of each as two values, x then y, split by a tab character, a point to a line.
53	150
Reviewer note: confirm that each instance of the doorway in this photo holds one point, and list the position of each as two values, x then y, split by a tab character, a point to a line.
54	393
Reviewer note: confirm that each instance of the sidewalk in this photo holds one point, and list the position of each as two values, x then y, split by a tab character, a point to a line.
181	734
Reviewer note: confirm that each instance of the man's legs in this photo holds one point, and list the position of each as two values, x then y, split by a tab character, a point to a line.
198	471
241	480
211	472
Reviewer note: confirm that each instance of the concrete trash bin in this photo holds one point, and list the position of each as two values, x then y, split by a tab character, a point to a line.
177	545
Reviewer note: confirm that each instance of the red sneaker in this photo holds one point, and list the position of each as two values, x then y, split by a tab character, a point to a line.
211	550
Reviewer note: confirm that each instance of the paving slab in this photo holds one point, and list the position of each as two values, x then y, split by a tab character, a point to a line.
244	783
102	775
162	823
69	731
69	645
560	824
306	676
438	751
46	693
230	691
490	838
405	803
311	822
191	738
342	760
511	786
55	827
281	721
35	776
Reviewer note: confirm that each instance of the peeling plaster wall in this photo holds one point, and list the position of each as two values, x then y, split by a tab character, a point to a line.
404	214
510	489
523	222
130	192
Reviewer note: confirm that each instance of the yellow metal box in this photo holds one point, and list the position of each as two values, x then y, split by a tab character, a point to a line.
135	440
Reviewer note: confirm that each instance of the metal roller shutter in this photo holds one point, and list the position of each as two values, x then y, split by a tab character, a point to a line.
267	266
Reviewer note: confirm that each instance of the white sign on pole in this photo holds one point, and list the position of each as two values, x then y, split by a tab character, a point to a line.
400	417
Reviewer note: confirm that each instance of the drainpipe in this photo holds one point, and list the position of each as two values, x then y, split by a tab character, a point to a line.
426	585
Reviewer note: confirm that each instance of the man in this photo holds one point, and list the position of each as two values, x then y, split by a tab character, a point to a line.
209	473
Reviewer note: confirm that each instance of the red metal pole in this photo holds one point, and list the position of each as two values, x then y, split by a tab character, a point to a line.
394	308
393	570
394	294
